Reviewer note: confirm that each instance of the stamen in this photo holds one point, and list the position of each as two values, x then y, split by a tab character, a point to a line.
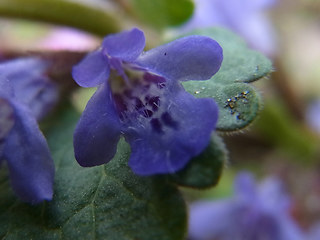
147	113
154	102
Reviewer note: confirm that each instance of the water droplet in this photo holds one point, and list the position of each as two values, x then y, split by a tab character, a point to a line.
197	92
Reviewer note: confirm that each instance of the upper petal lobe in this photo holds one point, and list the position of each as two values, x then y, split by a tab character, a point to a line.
126	46
92	70
188	58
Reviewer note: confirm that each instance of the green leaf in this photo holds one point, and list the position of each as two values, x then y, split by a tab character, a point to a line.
163	13
108	202
205	170
61	12
239	103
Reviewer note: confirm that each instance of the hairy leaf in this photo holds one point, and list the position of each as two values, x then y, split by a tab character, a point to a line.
108	202
205	170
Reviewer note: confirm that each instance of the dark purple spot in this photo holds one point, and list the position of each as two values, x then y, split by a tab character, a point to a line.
138	103
147	113
169	121
154	102
156	125
120	103
165	54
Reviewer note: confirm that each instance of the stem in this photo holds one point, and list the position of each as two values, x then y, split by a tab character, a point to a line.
90	19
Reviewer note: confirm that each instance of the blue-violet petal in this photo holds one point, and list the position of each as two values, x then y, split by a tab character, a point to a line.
188	58
92	70
180	131
126	46
29	84
98	130
29	160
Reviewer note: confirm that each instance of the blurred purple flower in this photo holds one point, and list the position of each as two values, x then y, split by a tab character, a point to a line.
313	116
25	97
254	213
245	17
139	97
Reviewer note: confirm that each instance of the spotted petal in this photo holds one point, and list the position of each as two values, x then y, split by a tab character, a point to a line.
126	46
98	130
189	58
29	161
167	142
92	70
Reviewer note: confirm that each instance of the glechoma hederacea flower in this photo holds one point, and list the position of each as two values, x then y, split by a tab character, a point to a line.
139	97
253	213
26	95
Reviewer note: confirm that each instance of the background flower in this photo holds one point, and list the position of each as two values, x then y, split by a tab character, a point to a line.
25	96
253	213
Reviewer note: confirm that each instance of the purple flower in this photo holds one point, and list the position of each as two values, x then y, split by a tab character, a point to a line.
139	97
245	17
254	213
25	96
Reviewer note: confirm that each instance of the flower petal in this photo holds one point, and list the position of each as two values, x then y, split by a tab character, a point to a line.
40	95
245	187
29	84
188	58
29	160
92	70
18	70
203	215
169	141
6	89
274	195
126	46
98	130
